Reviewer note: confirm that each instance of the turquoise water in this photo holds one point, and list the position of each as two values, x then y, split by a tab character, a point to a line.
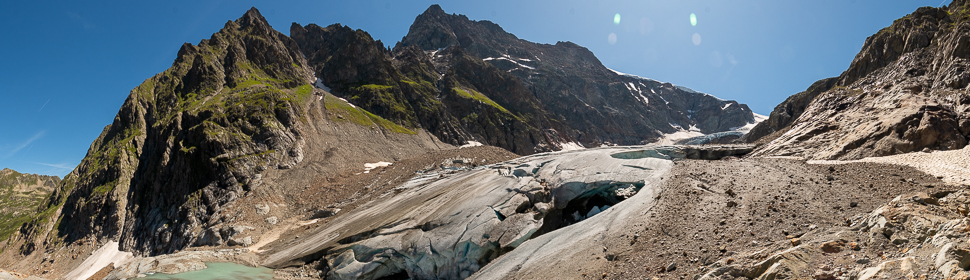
220	271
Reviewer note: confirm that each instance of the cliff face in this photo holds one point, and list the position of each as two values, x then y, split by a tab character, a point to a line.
191	139
186	142
905	91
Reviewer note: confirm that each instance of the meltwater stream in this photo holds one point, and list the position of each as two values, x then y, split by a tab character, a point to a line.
220	271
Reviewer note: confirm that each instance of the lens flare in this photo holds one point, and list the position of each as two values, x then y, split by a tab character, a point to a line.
693	19
611	38
697	39
616	19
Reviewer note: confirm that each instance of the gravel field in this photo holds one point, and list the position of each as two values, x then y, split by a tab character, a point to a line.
953	167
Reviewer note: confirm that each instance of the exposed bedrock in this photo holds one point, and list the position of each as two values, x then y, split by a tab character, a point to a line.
905	91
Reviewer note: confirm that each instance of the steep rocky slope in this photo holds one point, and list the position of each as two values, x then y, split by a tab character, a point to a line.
469	80
234	117
20	195
905	91
406	89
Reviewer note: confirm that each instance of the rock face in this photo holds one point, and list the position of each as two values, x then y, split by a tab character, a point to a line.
905	91
469	80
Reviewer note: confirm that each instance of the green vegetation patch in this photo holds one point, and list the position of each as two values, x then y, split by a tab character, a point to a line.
20	198
104	189
360	116
384	97
472	94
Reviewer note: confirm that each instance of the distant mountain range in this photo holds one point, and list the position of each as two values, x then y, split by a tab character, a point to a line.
465	80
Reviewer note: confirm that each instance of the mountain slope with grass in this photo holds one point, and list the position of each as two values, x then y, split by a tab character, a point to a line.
466	80
20	195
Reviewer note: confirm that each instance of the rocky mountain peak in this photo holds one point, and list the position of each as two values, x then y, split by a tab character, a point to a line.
434	29
434	10
905	91
252	17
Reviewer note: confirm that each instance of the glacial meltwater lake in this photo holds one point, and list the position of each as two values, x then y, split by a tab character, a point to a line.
220	271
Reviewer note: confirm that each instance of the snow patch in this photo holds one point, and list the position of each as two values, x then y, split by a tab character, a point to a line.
758	118
949	166
661	96
370	166
634	87
726	106
681	133
471	144
319	84
683	88
571	146
510	59
345	100
632	76
639	93
108	253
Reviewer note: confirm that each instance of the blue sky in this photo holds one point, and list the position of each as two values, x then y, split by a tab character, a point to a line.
67	66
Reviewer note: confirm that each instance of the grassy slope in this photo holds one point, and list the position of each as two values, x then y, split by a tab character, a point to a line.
20	195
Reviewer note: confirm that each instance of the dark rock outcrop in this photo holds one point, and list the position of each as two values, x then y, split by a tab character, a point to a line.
905	91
